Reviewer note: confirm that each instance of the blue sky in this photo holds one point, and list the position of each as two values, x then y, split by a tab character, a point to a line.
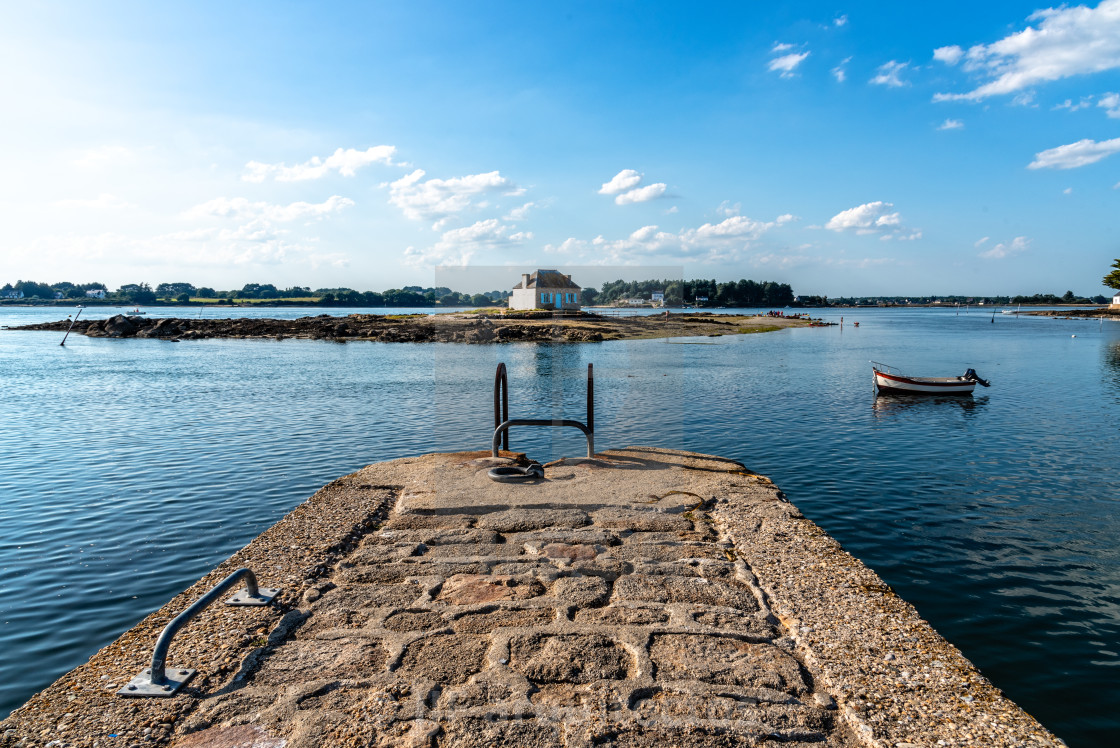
844	148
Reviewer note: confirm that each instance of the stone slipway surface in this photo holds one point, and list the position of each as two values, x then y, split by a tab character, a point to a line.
644	598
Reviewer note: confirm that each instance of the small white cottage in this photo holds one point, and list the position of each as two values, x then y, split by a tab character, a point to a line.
545	289
1115	301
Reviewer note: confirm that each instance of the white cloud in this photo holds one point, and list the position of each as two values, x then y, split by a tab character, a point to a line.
460	246
441	199
519	214
624	186
787	64
840	21
344	161
779	47
240	208
642	194
1067	41
839	72
1001	251
868	218
726	241
951	124
1085	101
627	179
889	74
1074	155
1025	98
727	209
1067	191
981	241
104	201
1110	102
950	55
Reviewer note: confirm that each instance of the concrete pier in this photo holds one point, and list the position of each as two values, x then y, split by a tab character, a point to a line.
643	598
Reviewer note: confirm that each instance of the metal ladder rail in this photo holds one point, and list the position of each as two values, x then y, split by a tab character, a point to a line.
501	382
155	681
501	430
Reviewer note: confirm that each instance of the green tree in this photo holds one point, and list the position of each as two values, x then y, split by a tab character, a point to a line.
1112	280
137	293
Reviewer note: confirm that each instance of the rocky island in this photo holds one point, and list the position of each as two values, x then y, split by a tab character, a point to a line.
475	327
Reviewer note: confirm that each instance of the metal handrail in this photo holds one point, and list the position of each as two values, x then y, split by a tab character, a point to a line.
887	368
501	429
504	429
501	382
155	680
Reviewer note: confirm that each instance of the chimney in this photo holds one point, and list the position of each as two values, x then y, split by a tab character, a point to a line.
524	280
569	279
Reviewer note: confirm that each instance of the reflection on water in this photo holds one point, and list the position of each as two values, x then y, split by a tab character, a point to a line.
891	405
1111	354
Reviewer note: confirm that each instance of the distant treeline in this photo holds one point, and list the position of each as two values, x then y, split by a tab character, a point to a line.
1045	299
741	293
186	293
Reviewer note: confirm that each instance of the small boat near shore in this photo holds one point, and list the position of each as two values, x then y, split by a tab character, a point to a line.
891	380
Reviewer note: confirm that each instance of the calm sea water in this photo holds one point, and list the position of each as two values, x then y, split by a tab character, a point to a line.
130	468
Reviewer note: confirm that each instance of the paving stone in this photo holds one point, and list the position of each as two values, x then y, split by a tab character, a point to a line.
582	535
237	736
471	589
621	616
415	620
399	572
614	518
521	520
484	733
436	537
569	658
693	590
483	622
468	550
429	521
313	660
669	551
445	658
685	737
482	693
582	592
565	551
737	624
725	661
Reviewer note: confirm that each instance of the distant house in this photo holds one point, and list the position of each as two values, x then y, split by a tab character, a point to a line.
96	293
545	289
1115	301
13	294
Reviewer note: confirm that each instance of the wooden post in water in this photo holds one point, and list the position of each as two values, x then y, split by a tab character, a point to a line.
71	327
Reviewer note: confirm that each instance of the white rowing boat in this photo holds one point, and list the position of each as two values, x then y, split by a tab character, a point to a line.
890	379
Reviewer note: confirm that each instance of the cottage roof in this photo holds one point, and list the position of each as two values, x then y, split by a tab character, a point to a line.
548	279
